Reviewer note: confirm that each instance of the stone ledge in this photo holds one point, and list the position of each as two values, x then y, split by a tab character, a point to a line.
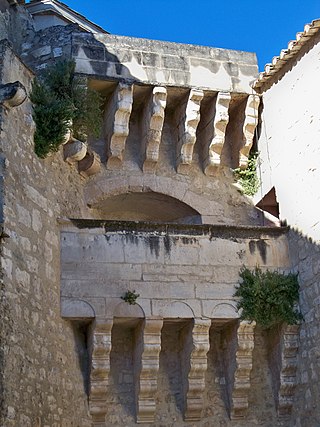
218	230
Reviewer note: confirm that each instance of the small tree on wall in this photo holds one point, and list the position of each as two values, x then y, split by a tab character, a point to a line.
268	298
63	102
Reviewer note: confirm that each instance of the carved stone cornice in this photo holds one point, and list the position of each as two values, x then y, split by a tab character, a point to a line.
187	128
241	385
153	130
212	153
249	127
148	379
117	123
198	369
100	369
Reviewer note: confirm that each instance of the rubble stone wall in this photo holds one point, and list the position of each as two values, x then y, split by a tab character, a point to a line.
41	377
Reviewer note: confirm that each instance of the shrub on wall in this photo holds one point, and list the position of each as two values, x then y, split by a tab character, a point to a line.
248	178
269	297
62	100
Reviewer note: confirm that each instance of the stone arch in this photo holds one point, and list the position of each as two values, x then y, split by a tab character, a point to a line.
99	191
225	311
76	309
124	309
176	310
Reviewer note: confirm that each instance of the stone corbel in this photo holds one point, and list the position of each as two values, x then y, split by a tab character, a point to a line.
187	128
12	94
100	370
117	124
148	378
249	127
153	130
90	164
198	369
74	150
241	385
213	153
288	371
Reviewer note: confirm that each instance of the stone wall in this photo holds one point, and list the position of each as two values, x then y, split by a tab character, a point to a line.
288	148
185	276
195	266
40	373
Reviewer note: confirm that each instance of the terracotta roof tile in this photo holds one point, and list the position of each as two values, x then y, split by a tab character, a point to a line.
285	55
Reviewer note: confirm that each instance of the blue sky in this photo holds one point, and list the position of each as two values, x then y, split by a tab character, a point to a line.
264	27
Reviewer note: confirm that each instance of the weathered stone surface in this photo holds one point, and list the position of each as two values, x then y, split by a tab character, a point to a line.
12	94
100	369
153	127
198	370
241	386
117	124
89	165
249	127
148	376
212	153
74	151
188	117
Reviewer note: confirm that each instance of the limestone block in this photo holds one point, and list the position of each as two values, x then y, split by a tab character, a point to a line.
100	369
89	165
153	127
241	386
12	94
74	151
117	118
187	128
198	369
148	376
249	127
212	153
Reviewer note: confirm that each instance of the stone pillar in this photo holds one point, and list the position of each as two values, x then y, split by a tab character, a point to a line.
198	369
116	123
289	348
212	153
154	118
188	120
241	385
249	127
100	369
148	378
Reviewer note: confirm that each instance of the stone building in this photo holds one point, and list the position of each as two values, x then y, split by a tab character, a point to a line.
150	209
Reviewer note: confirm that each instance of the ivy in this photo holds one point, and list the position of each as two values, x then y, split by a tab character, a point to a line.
248	178
61	99
268	298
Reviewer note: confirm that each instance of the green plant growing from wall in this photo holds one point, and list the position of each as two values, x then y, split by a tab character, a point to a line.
268	298
61	100
248	178
130	297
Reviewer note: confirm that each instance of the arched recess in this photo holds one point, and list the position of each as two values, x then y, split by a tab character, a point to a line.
146	206
147	198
